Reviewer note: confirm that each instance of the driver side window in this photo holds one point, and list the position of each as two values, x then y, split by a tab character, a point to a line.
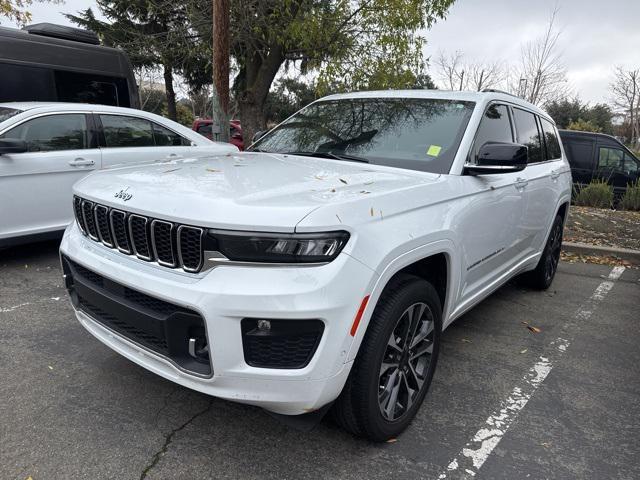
495	126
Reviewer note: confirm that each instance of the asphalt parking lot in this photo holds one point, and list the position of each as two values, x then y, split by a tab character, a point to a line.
506	402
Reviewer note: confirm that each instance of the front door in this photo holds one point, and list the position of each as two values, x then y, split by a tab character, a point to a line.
36	186
491	225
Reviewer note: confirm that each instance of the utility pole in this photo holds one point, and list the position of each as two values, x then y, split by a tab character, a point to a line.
220	114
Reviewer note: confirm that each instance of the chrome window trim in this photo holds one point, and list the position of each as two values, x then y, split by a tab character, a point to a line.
179	247
131	239
95	214
154	222
84	217
113	230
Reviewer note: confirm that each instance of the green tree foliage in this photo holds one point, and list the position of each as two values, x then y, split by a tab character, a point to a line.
596	118
153	33
584	126
289	96
16	10
354	44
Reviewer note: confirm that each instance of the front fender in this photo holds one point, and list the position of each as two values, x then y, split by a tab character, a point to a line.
445	246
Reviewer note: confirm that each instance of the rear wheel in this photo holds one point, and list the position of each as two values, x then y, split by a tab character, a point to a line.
542	276
396	361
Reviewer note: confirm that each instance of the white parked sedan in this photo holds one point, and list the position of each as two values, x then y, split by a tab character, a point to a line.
46	147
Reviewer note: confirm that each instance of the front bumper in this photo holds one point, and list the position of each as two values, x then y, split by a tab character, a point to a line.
224	296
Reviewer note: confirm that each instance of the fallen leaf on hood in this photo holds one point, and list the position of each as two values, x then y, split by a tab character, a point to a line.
364	192
338	217
171	170
215	170
320	177
369	182
372	211
343	181
333	190
531	328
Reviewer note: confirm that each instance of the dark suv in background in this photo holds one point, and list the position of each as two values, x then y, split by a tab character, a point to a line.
599	156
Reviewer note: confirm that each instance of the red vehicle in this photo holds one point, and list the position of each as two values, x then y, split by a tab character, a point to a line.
203	127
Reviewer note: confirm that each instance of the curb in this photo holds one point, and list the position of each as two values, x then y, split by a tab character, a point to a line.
587	249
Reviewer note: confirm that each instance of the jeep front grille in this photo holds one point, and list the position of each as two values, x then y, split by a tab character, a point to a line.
153	240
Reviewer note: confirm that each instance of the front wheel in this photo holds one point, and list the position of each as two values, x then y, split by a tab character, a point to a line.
396	361
545	271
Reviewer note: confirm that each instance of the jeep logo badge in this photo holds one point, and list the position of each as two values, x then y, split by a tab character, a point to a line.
123	194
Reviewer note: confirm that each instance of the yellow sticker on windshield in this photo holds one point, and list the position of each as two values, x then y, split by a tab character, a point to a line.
434	150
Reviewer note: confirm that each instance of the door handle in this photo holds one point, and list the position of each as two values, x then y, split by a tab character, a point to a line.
555	174
173	155
81	162
520	183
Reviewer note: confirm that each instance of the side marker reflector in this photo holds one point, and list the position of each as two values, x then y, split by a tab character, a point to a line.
356	321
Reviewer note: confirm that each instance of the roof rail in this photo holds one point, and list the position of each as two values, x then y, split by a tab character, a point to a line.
495	90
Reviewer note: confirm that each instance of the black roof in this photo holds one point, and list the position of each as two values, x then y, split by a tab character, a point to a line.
44	45
594	135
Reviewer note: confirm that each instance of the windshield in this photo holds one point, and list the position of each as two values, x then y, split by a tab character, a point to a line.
6	113
413	133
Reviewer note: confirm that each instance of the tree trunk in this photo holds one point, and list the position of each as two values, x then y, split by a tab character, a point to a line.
171	94
251	118
257	78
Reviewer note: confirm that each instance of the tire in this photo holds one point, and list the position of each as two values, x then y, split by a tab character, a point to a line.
542	277
379	403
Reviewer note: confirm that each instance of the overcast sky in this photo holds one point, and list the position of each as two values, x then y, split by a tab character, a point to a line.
595	35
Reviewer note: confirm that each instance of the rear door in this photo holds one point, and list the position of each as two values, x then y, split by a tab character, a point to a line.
543	173
616	166
35	186
128	140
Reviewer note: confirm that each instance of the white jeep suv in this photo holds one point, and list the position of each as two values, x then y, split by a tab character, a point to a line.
319	268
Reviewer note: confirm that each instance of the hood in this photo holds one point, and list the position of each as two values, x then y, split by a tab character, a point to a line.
245	191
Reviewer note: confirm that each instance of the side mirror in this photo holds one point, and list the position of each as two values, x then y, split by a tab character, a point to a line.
12	145
497	157
258	135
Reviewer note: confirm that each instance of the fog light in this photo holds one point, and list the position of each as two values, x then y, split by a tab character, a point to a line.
264	325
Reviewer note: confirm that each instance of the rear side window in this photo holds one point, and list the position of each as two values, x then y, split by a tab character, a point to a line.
495	126
610	158
167	138
580	154
86	88
52	133
123	131
631	165
204	129
528	135
551	139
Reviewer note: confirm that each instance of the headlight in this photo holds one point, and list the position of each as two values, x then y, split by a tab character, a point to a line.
277	247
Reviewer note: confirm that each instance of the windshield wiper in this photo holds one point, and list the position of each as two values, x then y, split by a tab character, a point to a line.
335	156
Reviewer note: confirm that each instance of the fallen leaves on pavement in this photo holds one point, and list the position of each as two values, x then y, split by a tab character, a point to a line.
531	328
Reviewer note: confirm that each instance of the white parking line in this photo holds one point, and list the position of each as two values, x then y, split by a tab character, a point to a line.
15	307
469	460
